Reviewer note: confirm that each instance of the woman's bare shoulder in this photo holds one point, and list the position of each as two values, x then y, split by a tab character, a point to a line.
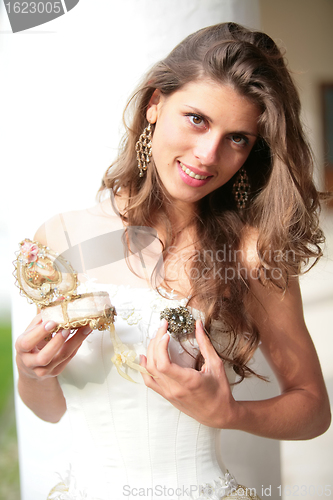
71	228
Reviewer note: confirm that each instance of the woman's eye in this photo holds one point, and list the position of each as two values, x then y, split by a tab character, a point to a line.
195	119
240	140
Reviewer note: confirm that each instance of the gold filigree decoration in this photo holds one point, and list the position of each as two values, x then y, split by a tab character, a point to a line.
46	279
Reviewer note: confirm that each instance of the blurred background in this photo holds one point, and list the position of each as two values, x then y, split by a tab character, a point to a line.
63	87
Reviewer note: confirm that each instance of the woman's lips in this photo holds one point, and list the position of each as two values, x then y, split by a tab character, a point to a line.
191	180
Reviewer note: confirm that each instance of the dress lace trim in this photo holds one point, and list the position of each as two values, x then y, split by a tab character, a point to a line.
225	488
67	489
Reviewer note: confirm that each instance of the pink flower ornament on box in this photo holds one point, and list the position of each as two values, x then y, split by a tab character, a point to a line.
29	251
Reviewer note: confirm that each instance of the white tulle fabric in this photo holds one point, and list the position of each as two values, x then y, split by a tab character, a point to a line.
128	441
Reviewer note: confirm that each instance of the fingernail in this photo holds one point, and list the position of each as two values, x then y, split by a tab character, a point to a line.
86	330
50	325
65	333
167	334
163	322
154	334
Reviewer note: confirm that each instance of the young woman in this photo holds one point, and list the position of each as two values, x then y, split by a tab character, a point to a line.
213	198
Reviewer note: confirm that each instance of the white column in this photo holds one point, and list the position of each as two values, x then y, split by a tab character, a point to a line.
64	86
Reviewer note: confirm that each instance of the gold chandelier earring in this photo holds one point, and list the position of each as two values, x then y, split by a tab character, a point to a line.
241	188
143	150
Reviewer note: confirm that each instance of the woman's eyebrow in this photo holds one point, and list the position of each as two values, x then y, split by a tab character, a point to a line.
198	112
244	132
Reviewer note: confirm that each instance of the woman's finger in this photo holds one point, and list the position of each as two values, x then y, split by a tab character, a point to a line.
162	358
60	367
36	320
44	356
52	347
67	347
150	381
165	372
56	351
33	336
162	329
206	348
151	350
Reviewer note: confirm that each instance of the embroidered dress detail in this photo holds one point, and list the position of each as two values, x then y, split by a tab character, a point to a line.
66	489
223	488
129	314
219	488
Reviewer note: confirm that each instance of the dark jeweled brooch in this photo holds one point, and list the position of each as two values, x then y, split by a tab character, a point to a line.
181	323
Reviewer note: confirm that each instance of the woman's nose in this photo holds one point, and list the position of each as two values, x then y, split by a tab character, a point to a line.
207	149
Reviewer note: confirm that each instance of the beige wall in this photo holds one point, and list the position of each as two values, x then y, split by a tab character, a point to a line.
305	29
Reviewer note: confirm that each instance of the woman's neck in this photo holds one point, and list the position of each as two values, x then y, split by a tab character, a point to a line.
181	216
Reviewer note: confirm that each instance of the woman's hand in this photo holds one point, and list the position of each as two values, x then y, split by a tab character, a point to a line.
39	358
39	361
204	395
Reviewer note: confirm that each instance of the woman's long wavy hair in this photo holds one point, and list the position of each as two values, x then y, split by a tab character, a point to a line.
283	204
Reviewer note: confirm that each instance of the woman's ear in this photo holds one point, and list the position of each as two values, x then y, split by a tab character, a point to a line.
154	106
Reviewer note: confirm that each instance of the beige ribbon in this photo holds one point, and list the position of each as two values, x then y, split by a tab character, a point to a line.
123	356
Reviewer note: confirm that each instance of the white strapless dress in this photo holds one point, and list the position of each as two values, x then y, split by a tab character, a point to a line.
128	441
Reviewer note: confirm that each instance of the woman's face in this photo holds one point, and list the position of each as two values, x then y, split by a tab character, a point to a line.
204	132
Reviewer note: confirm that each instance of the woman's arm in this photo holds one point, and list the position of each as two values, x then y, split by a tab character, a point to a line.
40	361
43	396
302	411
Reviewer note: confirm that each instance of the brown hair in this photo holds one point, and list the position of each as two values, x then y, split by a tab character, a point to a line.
283	203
